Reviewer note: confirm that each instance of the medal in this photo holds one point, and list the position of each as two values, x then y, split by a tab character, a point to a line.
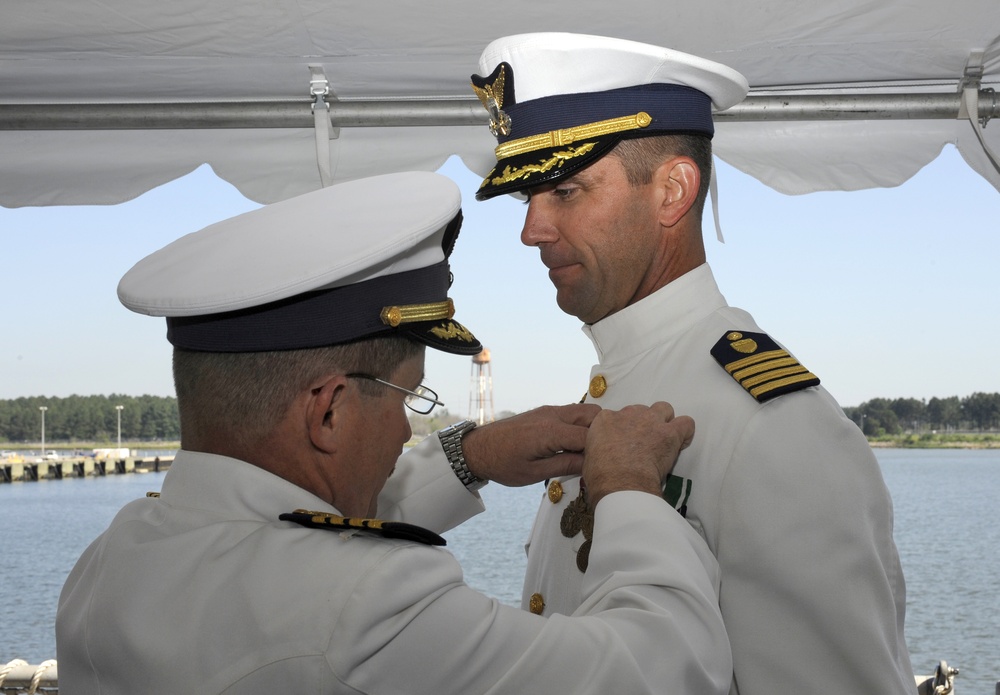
572	518
578	517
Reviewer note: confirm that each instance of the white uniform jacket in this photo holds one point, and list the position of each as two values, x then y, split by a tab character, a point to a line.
204	590
787	493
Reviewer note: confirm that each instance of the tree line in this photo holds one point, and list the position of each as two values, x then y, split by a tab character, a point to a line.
90	419
881	416
155	418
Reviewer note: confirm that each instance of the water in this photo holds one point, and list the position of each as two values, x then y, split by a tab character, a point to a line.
947	530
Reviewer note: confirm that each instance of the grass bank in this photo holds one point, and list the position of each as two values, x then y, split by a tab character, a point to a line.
986	440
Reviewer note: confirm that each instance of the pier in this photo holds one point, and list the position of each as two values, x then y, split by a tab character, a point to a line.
80	467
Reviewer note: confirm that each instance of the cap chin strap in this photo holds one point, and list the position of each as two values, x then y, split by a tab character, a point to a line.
319	89
713	190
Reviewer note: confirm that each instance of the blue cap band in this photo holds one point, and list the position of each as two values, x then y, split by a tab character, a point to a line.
313	319
673	108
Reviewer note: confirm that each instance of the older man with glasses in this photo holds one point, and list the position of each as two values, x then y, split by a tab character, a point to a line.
289	551
421	400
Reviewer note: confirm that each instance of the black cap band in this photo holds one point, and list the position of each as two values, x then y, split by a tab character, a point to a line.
327	317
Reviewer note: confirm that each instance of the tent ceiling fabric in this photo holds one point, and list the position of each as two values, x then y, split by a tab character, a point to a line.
57	52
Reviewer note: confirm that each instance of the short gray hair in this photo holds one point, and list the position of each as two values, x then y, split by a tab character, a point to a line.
243	395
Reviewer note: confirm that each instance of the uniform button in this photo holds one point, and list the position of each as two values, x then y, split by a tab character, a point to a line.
555	491
536	604
598	385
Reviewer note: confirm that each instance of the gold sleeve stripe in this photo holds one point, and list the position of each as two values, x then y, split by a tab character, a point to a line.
567	136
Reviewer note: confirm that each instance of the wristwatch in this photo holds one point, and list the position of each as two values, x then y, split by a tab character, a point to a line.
451	442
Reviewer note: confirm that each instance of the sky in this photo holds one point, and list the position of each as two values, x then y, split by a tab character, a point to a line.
882	293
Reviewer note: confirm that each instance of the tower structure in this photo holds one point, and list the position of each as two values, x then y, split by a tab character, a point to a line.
481	391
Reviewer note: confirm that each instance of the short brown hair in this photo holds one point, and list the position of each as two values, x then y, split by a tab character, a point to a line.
641	156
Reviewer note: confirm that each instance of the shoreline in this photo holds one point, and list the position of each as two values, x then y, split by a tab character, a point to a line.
938	445
986	440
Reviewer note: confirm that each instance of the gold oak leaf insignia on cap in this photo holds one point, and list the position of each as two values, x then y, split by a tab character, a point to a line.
557	160
760	365
452	330
386	529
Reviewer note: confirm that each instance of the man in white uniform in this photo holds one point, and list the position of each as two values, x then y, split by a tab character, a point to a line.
610	141
299	332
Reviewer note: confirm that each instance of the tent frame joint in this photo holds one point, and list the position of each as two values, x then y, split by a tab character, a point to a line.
992	93
972	78
319	90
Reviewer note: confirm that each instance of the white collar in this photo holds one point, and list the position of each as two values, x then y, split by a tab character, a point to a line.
669	311
233	489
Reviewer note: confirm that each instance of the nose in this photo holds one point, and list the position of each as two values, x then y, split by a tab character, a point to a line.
538	227
409	430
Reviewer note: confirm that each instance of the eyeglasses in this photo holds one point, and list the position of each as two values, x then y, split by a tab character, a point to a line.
422	400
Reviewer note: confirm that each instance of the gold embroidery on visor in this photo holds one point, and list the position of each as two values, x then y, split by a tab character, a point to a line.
409	313
557	159
566	136
453	332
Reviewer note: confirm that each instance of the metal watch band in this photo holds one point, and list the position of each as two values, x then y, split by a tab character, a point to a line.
451	442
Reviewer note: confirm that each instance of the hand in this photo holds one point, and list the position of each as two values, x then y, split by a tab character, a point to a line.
543	443
634	448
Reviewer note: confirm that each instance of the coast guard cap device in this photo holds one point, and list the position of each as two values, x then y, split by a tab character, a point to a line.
559	102
356	260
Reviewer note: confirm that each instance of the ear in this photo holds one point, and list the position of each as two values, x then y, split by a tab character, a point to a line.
326	412
678	179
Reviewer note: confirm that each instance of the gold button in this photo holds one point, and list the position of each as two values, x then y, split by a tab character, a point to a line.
555	491
536	604
598	385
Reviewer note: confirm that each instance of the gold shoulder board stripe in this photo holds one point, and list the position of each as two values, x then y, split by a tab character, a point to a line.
386	529
760	365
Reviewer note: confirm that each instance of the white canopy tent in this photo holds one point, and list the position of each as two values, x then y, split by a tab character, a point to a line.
103	100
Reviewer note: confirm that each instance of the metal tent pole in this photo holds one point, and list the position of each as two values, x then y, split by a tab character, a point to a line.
297	113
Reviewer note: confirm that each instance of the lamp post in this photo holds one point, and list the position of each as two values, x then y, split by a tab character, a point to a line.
119	409
43	409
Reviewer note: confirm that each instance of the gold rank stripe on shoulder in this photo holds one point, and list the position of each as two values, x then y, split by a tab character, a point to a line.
386	529
760	365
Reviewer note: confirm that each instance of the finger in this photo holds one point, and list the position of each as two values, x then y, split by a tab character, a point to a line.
664	410
579	413
561	464
568	438
685	427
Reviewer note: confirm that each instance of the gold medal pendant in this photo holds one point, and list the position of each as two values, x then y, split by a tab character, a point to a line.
572	517
583	556
579	517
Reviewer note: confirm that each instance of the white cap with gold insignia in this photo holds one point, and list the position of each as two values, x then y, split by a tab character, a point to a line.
354	260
